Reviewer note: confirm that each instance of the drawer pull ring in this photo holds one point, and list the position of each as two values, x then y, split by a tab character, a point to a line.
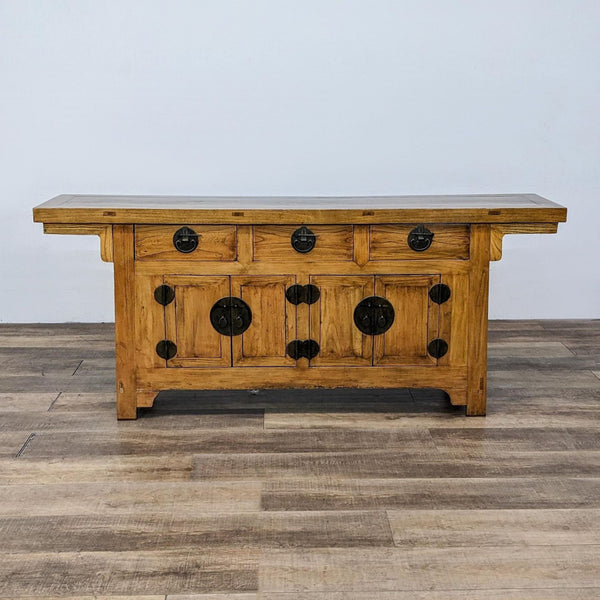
303	240
230	316
297	294
374	315
185	240
420	238
164	294
166	349
437	348
440	293
302	349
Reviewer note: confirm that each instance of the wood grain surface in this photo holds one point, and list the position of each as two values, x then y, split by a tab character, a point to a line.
362	494
493	208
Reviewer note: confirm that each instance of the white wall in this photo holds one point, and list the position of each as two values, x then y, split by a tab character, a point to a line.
298	97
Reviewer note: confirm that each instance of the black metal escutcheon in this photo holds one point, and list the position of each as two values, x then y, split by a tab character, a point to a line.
437	348
439	293
374	315
185	240
420	238
230	316
166	349
303	240
164	294
302	349
297	294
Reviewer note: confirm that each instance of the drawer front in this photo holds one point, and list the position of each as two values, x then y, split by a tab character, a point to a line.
273	243
391	242
212	242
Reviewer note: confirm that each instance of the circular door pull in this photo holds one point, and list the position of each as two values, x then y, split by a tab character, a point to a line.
185	240
420	238
437	348
166	349
374	315
303	240
230	316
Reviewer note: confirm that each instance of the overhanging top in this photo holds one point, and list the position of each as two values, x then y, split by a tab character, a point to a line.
501	208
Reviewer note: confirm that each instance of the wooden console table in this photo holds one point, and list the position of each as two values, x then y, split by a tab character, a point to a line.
239	293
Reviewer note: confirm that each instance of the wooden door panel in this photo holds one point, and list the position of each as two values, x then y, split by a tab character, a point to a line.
332	320
415	320
187	321
273	323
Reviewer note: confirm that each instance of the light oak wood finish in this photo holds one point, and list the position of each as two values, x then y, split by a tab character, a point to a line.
291	210
388	242
103	231
217	243
244	250
341	494
334	243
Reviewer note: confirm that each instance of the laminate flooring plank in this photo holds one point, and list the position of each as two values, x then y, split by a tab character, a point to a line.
85	573
310	493
11	443
55	383
57	422
396	464
25	402
515	439
113	499
178	531
52	329
477	528
399	569
501	414
85	402
488	594
530	349
165	467
212	597
135	440
95	597
543	379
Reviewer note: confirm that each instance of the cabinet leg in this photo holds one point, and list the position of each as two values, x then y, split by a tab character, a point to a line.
124	321
478	320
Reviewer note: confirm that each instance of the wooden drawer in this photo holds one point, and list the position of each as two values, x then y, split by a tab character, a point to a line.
215	242
273	243
390	242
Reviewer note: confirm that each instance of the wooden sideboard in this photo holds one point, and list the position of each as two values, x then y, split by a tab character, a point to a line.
241	293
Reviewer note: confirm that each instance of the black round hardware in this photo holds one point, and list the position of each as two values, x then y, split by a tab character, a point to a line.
374	315
309	293
437	348
295	294
166	349
295	349
230	316
420	238
303	240
164	294
185	240
439	293
302	349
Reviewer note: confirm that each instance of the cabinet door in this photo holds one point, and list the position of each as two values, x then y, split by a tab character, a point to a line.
273	323
332	320
187	321
415	320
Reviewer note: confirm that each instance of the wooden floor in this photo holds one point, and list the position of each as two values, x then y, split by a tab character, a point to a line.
285	495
